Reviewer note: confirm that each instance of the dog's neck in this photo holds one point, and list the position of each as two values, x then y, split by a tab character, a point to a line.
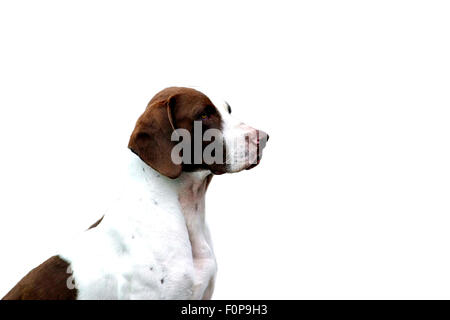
185	194
188	190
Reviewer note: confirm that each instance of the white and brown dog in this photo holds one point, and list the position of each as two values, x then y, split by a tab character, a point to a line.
153	242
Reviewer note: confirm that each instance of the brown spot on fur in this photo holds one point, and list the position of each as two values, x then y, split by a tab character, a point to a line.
96	223
48	281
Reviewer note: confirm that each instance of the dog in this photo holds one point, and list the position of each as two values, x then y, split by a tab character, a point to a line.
153	243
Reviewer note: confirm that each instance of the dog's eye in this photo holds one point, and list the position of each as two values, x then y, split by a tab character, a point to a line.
207	113
203	116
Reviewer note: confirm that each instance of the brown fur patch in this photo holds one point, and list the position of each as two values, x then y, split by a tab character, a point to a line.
170	109
48	281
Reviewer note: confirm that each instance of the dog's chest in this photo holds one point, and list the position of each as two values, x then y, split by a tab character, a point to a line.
153	242
139	257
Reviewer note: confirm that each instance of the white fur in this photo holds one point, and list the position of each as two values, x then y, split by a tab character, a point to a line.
153	243
240	139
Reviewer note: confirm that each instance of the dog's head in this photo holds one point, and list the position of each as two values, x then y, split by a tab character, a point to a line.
183	130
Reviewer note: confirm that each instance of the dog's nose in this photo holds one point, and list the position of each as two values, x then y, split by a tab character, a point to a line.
262	136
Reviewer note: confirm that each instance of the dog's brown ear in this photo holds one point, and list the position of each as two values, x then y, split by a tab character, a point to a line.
151	141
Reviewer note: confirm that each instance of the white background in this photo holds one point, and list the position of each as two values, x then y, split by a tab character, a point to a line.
351	199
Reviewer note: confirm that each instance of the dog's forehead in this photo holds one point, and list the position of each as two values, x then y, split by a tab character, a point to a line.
216	98
220	104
